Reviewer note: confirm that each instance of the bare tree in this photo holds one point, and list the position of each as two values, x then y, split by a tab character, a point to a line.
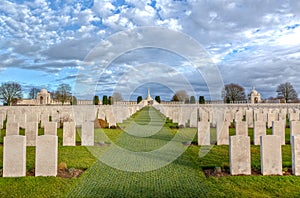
63	93
287	92
10	92
180	96
33	92
117	97
233	92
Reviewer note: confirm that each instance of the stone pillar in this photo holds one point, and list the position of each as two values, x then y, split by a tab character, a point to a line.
241	128
46	155
295	143
222	132
12	128
270	155
14	156
69	134
50	128
31	132
87	134
203	133
278	128
240	156
259	130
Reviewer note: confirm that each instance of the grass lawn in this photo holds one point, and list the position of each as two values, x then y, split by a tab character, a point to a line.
184	177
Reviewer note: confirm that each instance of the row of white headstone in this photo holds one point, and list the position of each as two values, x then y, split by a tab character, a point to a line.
239	144
50	128
189	115
82	113
14	147
270	155
241	128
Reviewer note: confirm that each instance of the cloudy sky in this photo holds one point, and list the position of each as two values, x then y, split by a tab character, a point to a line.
250	42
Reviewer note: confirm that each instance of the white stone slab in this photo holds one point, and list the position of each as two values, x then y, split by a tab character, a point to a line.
222	132
14	156
241	128
294	128
203	133
270	155
240	156
46	155
31	132
278	128
295	143
69	134
259	130
12	128
87	134
50	128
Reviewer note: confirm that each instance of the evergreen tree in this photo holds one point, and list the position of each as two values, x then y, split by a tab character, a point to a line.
96	100
157	98
139	99
104	100
192	100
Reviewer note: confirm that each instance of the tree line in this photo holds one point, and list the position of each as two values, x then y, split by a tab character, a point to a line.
11	93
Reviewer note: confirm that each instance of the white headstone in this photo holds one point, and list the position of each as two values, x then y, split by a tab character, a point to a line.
238	116
294	116
270	155
240	157
50	128
69	134
295	142
203	115
44	119
12	128
46	155
31	132
87	134
10	118
32	117
21	119
249	118
1	121
294	128
14	156
194	118
241	128
259	130
203	133
272	117
222	132
278	128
